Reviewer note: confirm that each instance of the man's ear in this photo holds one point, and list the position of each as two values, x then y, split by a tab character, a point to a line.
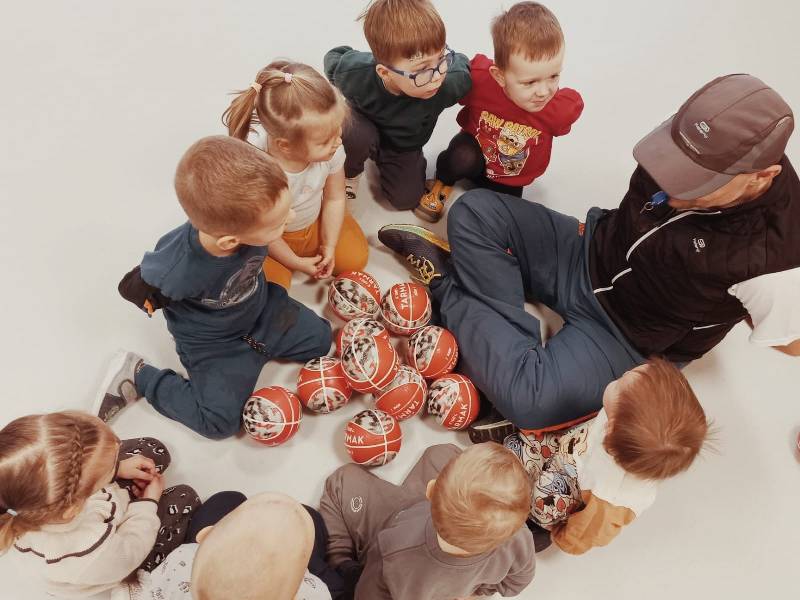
498	75
203	533
429	488
227	243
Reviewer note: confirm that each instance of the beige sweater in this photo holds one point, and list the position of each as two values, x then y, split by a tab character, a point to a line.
104	544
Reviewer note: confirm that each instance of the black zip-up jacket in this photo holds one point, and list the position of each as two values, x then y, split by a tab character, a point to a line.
663	275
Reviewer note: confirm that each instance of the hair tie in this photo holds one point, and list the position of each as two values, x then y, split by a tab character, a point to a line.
256	86
12	512
287	77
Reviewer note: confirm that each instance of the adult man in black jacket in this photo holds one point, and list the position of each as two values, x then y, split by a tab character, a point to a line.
707	235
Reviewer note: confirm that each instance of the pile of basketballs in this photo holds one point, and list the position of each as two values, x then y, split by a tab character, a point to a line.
367	362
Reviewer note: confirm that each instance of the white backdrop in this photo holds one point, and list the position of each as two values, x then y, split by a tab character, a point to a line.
99	100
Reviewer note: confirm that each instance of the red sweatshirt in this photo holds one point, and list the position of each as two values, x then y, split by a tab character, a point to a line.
516	144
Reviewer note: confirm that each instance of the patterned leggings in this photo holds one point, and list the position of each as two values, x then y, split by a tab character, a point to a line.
549	459
176	506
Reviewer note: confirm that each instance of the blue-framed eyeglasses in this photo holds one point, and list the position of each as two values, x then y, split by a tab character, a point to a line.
425	76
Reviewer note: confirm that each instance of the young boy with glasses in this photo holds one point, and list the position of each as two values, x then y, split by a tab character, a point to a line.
397	93
513	112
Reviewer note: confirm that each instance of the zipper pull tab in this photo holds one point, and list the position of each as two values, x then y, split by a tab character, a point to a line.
656	199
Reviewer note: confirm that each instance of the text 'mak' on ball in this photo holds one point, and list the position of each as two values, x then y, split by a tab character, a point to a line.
432	351
357	328
372	438
454	401
272	415
322	386
355	294
405	308
369	363
405	396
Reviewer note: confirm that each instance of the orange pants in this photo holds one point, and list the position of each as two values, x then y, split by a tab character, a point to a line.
350	255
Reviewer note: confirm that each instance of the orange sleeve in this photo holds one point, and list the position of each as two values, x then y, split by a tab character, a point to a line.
596	524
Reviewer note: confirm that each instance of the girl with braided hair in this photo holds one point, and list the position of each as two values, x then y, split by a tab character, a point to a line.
83	509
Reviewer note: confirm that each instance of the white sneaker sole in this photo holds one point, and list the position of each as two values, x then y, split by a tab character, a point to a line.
114	367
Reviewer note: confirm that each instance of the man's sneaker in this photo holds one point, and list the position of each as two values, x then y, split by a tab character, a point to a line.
424	252
541	536
431	205
493	427
118	390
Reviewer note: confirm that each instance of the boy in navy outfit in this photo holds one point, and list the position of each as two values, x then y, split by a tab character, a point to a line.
227	320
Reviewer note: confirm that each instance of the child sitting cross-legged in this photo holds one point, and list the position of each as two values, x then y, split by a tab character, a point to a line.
591	480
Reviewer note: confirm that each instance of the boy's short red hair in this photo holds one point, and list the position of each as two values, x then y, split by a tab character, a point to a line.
481	498
657	426
529	29
398	29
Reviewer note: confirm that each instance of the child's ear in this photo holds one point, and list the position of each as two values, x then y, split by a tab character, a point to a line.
382	71
227	243
498	75
283	145
429	488
203	533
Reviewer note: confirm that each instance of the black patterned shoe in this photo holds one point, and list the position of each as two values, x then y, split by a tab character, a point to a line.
118	389
425	253
492	427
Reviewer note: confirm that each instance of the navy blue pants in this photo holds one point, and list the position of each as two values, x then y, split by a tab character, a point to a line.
505	251
223	372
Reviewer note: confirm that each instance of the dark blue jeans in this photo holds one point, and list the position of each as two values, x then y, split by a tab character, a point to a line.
505	251
223	373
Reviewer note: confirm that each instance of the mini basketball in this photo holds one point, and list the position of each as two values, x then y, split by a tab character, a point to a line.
405	308
322	386
453	400
432	351
369	363
404	397
272	415
372	438
357	328
355	294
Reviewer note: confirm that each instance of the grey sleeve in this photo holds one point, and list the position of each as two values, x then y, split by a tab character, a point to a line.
521	572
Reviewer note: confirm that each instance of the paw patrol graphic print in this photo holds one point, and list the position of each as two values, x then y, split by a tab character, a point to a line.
506	145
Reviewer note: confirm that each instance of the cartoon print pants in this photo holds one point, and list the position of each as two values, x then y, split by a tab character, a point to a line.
549	459
176	506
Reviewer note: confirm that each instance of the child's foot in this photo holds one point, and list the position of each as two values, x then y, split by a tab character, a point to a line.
431	205
425	253
118	390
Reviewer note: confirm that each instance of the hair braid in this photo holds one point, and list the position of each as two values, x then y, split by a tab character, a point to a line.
73	465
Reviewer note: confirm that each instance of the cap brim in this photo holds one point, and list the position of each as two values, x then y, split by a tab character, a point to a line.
677	174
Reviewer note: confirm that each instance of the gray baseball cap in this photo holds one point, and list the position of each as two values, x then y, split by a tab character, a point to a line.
732	125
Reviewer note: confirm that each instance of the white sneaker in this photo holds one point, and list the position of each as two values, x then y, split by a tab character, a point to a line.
118	389
351	192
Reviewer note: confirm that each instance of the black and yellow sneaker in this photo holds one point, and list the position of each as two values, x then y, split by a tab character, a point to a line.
425	253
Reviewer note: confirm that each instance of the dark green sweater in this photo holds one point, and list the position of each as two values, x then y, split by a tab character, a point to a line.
404	123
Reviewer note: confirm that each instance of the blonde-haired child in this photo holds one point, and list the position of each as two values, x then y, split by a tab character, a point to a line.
457	523
64	512
302	115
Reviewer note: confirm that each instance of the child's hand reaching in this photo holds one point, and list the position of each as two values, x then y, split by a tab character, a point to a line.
137	468
309	265
151	491
325	266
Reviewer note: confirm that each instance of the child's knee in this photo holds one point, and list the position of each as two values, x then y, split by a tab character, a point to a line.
218	427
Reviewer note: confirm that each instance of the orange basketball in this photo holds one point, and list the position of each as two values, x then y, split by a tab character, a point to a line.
369	363
405	308
453	400
404	397
432	351
354	294
272	415
372	438
357	328
322	386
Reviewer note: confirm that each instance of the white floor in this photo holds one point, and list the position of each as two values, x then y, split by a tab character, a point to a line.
99	101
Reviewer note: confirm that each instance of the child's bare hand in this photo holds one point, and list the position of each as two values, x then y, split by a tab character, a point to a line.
325	266
137	468
154	489
309	265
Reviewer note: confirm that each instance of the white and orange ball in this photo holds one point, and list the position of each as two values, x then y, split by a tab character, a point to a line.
322	386
432	351
405	308
272	415
358	328
454	401
404	397
369	363
373	438
355	294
